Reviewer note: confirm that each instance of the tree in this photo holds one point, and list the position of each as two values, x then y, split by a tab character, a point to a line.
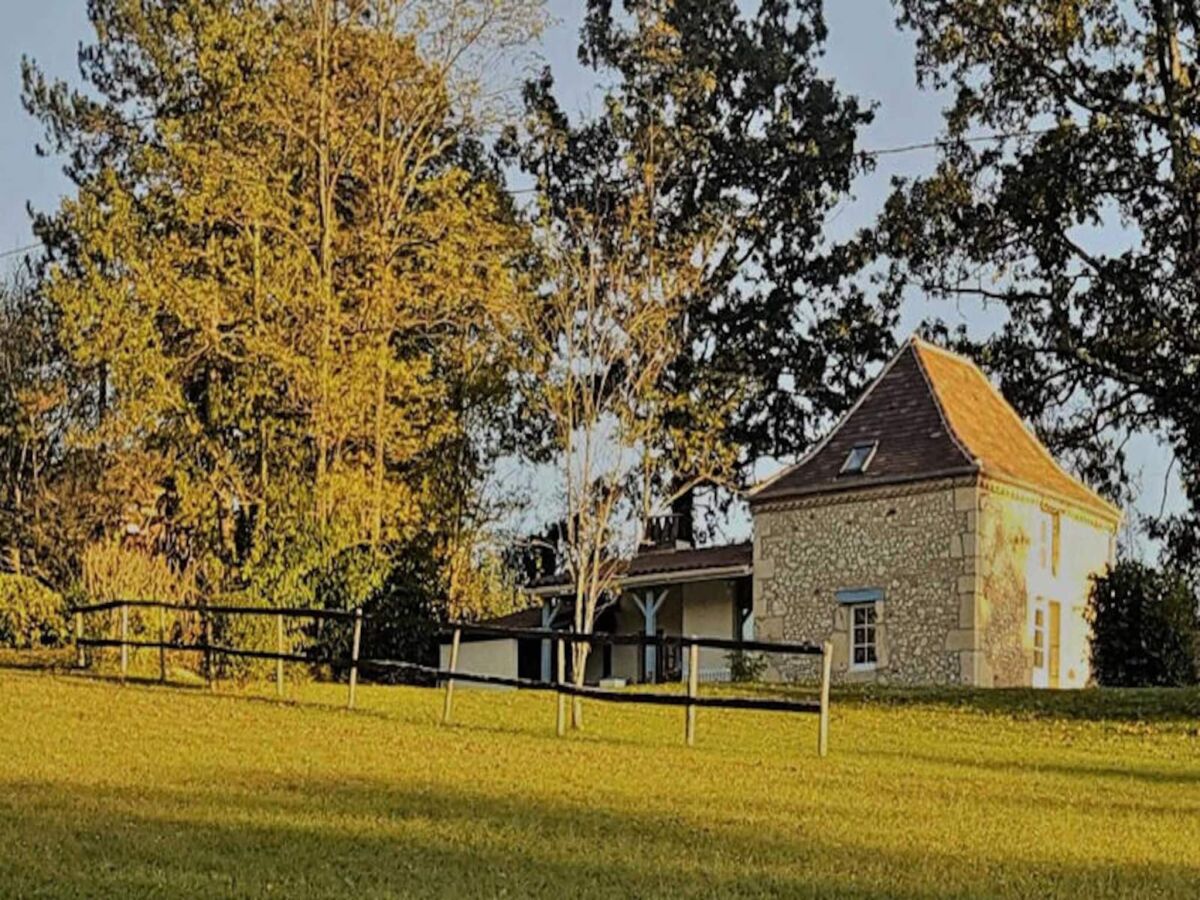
1068	193
278	271
1145	631
47	502
747	138
601	343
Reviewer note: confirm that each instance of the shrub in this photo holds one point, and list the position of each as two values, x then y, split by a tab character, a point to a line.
1144	628
31	615
744	667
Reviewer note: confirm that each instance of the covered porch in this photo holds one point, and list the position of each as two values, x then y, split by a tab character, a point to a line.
705	592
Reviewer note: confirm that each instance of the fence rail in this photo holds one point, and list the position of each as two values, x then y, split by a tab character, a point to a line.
295	612
561	687
659	640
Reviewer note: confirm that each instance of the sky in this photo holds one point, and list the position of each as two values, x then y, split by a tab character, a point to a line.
866	54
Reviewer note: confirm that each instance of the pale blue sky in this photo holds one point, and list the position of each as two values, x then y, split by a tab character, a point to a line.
866	54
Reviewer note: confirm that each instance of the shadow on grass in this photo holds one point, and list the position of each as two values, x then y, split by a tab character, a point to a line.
58	659
269	836
1089	704
1024	768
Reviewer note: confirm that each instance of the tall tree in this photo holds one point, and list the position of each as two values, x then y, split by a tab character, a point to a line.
745	136
601	343
1078	214
279	266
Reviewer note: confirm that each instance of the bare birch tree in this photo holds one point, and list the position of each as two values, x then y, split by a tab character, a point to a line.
607	330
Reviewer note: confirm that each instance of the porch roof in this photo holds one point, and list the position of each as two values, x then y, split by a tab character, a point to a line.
670	566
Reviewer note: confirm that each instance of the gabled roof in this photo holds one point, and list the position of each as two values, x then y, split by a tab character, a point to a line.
934	414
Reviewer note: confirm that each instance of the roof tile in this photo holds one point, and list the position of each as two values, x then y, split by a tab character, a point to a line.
934	414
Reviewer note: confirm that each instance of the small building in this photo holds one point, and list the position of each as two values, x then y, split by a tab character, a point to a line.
932	538
670	587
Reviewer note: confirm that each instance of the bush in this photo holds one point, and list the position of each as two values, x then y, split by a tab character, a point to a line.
31	615
746	667
1144	628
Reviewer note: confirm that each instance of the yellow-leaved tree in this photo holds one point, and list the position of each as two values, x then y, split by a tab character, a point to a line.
278	276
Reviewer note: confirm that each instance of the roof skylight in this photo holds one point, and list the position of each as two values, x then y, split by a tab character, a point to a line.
859	458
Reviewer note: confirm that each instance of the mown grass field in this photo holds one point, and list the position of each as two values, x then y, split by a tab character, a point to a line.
149	791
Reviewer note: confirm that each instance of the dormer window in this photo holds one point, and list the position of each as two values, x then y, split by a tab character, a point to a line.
859	458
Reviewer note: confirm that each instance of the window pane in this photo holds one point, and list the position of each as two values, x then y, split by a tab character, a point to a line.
862	634
858	459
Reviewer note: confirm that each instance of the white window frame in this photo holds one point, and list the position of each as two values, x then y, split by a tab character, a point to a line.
852	611
1045	541
1040	672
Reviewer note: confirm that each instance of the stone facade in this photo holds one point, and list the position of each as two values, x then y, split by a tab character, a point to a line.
959	564
915	543
1033	550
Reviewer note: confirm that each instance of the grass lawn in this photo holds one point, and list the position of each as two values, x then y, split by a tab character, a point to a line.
143	790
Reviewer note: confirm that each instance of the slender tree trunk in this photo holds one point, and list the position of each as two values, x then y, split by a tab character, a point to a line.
380	434
325	208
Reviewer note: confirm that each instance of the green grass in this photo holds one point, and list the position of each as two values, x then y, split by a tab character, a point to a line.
171	792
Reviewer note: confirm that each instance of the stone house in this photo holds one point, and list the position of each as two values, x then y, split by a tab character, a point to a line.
932	538
929	536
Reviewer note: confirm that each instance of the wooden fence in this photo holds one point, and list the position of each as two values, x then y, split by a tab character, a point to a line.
560	686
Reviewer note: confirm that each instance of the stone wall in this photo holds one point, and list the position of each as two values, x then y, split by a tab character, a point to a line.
1016	572
916	543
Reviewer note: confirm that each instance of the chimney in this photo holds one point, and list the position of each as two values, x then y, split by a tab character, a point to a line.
672	531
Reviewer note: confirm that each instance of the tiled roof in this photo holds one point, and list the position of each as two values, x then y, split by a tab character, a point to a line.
934	414
668	562
691	559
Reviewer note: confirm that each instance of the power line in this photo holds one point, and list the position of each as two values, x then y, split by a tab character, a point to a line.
947	142
871	154
19	250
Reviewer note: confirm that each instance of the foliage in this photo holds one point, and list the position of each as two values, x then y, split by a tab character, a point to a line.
44	520
1145	630
220	791
1080	219
276	276
609	325
725	104
116	569
31	615
746	667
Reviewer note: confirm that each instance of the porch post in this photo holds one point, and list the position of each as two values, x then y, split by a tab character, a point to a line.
549	611
650	607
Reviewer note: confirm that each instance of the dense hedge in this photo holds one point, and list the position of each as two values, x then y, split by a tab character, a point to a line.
1144	628
31	615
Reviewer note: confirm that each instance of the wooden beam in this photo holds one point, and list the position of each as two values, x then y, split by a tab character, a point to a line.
560	726
80	653
208	654
650	608
124	642
693	688
356	641
549	614
447	706
162	644
826	672
279	660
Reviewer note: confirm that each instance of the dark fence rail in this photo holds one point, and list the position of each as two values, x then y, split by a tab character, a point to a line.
561	687
216	609
770	704
636	638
